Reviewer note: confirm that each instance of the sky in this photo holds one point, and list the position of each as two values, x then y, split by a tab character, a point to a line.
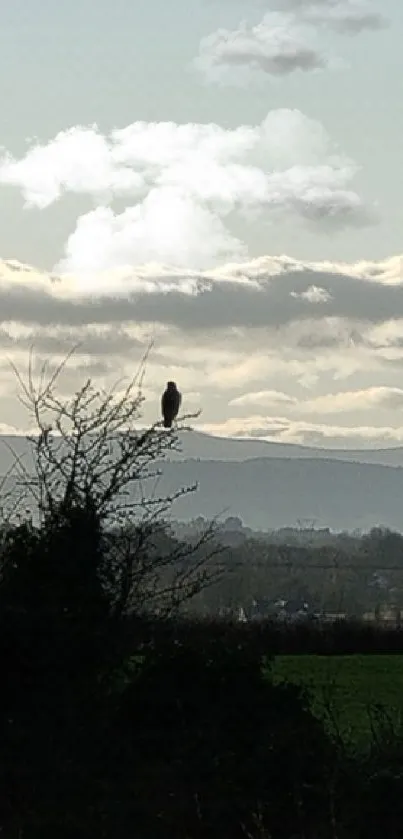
223	178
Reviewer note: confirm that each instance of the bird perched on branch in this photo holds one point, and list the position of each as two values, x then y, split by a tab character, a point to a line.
170	404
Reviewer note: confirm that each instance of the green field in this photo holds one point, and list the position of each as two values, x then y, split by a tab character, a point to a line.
352	693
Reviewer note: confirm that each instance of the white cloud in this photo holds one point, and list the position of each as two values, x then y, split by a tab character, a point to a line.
263	398
181	183
313	294
78	160
355	400
284	430
342	402
168	227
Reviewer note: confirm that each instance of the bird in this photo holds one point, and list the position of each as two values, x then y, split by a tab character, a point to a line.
170	404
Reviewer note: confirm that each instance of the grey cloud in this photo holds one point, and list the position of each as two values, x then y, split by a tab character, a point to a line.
280	43
88	369
311	341
38	308
111	343
93	368
215	305
18	267
275	64
391	399
275	46
343	16
229	303
337	210
355	24
340	337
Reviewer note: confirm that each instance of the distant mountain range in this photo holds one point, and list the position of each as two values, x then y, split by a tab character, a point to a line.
206	447
271	485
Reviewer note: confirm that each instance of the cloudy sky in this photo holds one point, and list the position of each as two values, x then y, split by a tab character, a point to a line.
224	178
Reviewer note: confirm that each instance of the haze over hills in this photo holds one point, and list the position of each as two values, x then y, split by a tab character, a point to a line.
272	485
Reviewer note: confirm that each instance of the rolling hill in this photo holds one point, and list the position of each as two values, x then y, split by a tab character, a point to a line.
271	485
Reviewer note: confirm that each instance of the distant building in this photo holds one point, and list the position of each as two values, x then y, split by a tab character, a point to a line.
387	615
280	609
330	617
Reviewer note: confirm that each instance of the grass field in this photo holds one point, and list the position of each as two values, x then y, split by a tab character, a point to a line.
352	693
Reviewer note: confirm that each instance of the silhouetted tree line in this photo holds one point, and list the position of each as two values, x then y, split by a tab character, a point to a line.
120	716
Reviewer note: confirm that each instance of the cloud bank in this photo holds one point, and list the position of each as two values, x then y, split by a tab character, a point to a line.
273	347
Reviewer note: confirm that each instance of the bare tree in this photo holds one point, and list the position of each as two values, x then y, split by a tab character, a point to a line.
90	454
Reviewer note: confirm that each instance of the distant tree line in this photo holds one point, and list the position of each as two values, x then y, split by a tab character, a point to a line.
353	574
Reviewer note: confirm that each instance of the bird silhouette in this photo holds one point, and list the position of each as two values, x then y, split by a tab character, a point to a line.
170	404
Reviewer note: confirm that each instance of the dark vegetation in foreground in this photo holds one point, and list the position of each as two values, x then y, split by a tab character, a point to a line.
121	715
